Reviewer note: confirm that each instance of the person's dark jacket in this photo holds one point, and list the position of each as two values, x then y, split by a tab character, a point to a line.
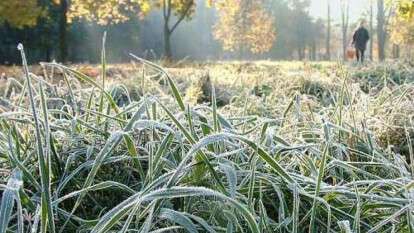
360	39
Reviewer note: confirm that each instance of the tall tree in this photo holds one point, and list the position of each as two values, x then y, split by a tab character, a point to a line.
301	23
317	32
328	32
182	9
371	29
381	29
62	9
402	27
284	44
114	11
344	26
385	10
244	26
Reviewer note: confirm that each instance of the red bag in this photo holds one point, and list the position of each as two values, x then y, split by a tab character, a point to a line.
350	52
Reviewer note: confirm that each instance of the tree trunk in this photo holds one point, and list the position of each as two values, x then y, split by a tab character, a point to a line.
395	51
381	33
167	8
46	44
371	29
47	53
301	53
63	23
328	33
344	24
10	52
313	51
167	42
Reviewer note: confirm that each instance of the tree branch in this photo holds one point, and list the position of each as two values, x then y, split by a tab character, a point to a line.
169	9
182	17
164	9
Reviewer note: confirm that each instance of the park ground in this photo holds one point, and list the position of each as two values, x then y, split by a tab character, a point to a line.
265	146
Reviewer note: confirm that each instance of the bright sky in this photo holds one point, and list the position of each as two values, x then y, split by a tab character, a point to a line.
357	9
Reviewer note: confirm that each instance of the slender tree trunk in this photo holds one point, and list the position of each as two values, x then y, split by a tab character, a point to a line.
301	53
344	24
371	30
244	53
167	42
63	23
46	43
395	51
328	33
381	33
47	47
313	51
397	47
4	55
47	53
244	28
168	31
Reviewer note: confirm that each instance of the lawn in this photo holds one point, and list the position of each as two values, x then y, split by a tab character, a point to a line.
207	147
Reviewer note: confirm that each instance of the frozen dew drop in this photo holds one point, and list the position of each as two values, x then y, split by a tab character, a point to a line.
20	46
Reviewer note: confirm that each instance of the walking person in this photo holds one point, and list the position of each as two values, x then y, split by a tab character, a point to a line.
359	41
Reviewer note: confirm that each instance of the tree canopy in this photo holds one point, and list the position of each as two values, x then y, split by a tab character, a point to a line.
106	11
244	25
402	23
21	13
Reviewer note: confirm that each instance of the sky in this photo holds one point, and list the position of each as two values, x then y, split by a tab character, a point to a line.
356	10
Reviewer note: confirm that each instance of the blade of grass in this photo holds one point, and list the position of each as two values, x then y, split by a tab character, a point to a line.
47	217
9	196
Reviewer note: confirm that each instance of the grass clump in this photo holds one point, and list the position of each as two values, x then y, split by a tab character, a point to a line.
375	78
200	91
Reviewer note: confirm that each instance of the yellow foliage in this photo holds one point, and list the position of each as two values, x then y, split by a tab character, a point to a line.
209	3
115	11
244	24
406	9
20	13
402	23
102	11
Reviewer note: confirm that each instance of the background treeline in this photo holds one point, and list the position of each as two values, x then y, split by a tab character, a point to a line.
48	34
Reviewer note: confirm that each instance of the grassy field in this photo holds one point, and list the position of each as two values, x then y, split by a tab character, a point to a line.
212	147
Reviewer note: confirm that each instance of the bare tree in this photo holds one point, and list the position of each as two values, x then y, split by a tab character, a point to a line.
344	25
381	31
383	16
328	32
371	29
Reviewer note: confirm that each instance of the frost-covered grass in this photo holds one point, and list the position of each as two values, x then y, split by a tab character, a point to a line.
298	148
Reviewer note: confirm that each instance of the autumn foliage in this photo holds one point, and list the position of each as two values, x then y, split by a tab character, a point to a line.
244	25
115	11
402	23
20	13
